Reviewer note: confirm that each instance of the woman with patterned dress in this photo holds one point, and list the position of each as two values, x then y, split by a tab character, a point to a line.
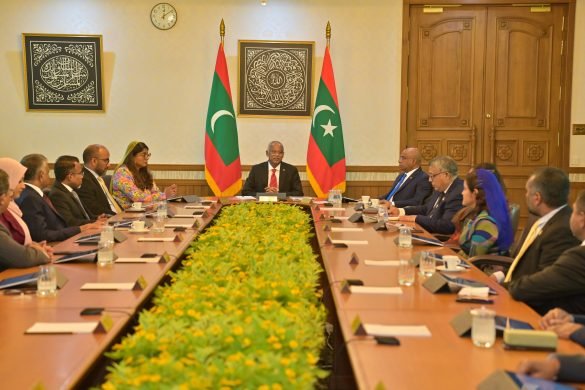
487	228
132	180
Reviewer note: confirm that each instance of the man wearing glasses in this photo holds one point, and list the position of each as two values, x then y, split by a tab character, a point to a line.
94	192
68	176
436	213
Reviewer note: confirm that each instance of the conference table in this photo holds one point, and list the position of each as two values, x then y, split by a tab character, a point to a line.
55	361
443	360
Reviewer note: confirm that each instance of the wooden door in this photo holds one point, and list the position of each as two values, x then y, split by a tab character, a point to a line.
484	84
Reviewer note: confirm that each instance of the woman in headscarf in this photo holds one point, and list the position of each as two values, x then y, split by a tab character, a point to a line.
487	228
133	182
13	254
12	218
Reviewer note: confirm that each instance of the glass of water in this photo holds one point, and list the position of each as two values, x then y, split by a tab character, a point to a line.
406	269
160	217
483	327
47	281
426	264
382	214
404	237
105	252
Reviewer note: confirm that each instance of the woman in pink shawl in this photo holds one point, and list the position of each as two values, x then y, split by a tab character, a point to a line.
12	218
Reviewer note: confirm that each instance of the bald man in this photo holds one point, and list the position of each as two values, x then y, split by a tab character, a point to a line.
412	186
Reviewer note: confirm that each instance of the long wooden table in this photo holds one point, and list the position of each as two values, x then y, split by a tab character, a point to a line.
62	361
443	360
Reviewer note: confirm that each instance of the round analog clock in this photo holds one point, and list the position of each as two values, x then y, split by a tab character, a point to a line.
163	16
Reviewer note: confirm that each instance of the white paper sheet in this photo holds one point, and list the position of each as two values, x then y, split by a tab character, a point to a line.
108	286
383	263
375	290
198	207
184	216
474	292
346	229
239	197
138	259
332	209
315	201
174	225
350	242
397	330
156	239
62	327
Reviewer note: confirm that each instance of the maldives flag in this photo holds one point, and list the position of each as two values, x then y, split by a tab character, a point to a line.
326	153
223	170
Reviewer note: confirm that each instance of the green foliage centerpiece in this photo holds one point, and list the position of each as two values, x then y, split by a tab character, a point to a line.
243	312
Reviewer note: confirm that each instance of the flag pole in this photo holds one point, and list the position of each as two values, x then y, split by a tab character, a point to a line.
328	33
222	30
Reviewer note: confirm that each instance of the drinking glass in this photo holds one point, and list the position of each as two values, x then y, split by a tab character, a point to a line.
405	237
406	269
483	327
47	281
160	217
426	264
382	214
105	252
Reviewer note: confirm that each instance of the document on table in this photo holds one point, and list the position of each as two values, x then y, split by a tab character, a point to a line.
350	242
62	327
175	225
198	207
138	259
239	197
156	239
397	330
332	209
375	290
346	229
108	286
382	263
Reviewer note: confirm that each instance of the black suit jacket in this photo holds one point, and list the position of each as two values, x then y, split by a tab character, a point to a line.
67	206
555	238
42	221
440	222
289	180
92	196
560	285
413	191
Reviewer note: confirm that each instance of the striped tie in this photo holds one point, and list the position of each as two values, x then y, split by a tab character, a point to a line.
535	230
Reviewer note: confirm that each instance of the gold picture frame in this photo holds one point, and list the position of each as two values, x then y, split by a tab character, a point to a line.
275	78
63	72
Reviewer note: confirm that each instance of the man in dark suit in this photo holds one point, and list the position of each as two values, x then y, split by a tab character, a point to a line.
436	214
561	284
273	175
93	191
547	193
68	176
412	186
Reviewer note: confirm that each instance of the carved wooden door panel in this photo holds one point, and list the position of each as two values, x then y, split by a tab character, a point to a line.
484	85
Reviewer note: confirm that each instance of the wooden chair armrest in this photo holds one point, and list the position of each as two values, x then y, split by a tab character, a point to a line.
481	261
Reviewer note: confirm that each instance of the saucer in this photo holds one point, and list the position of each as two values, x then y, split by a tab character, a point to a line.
133	210
443	269
145	230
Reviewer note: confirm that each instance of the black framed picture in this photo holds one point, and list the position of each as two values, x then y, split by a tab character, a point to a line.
275	78
63	72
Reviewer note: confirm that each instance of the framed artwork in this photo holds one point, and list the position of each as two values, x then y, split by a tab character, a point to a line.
63	72
275	78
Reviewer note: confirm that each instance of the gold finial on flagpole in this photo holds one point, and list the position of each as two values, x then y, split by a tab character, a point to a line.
222	30
328	33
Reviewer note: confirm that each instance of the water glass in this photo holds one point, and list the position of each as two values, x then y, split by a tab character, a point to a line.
405	237
483	327
107	233
335	197
105	252
47	281
426	264
382	214
160	217
406	268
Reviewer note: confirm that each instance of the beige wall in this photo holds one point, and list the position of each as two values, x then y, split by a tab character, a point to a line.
157	83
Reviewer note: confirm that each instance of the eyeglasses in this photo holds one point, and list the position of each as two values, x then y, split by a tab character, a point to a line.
77	173
106	160
144	154
432	176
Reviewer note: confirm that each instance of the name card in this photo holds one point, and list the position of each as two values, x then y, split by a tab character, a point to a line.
156	239
62	328
350	242
397	330
382	263
139	284
375	290
267	198
346	229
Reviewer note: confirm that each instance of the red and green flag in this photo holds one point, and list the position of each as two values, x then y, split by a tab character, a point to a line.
326	153
223	170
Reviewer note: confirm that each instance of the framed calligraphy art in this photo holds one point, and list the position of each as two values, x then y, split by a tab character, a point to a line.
63	72
275	78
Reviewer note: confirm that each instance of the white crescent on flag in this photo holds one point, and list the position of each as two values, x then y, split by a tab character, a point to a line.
320	108
218	114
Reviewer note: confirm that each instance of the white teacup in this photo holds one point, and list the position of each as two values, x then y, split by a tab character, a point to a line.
375	202
451	262
137	205
138	225
365	200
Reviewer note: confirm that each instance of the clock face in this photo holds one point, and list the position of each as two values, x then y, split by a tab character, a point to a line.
163	16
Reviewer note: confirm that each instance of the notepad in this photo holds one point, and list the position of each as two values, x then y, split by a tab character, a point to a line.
138	259
350	242
108	286
397	330
383	263
375	290
346	229
474	292
156	239
61	327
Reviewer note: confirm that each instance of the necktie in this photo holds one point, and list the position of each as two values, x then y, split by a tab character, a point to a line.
273	182
437	204
76	197
530	237
396	187
113	204
49	203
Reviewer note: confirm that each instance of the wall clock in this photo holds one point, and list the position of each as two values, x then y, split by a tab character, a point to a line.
163	16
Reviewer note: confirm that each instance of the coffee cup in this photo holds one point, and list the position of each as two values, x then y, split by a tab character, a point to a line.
375	202
137	205
138	225
366	200
451	262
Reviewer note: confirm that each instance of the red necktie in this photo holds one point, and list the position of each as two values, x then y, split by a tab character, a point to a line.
273	182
